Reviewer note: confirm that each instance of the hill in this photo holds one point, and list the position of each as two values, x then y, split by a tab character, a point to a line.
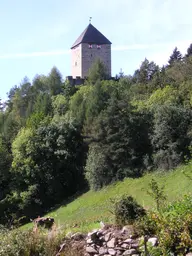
87	210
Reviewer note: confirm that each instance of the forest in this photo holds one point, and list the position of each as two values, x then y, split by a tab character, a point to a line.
57	140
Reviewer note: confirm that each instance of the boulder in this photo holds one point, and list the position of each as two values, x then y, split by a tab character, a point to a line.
153	241
111	243
111	251
91	250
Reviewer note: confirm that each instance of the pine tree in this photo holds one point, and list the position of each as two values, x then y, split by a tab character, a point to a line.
189	51
175	56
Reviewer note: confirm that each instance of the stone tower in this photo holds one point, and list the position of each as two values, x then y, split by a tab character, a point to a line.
88	47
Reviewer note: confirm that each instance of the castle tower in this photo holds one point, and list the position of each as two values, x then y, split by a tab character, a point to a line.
89	46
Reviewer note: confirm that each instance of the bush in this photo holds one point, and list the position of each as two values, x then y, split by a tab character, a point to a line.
127	210
172	226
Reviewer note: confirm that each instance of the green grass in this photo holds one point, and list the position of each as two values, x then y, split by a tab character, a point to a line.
89	209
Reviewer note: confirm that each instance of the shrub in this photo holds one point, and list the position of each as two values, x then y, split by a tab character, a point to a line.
127	210
173	227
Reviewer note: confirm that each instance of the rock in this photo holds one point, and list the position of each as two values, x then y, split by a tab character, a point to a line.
133	236
119	248
107	237
111	243
89	241
129	241
102	251
78	236
153	241
130	252
134	245
126	246
111	251
101	238
127	230
99	233
91	250
93	236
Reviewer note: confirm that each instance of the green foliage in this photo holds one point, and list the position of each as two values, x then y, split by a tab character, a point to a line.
127	126
157	193
175	56
98	169
189	51
54	81
35	120
86	210
165	96
171	139
60	104
127	210
172	226
123	139
146	72
56	150
5	160
77	104
97	72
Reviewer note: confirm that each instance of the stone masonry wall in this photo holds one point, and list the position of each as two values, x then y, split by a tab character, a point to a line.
89	55
76	54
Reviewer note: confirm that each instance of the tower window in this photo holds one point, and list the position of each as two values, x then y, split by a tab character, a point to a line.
90	46
75	63
98	46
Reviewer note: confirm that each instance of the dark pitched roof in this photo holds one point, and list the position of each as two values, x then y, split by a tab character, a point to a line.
92	36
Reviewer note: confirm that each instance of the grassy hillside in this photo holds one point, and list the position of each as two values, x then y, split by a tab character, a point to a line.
89	209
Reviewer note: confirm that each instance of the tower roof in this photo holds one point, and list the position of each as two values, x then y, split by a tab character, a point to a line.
91	36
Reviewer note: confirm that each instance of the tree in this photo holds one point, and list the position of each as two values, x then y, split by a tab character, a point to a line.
122	144
47	166
189	51
171	138
5	163
97	72
54	81
146	72
175	56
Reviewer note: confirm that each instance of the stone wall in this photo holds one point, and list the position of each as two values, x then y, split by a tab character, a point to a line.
76	61
107	241
89	56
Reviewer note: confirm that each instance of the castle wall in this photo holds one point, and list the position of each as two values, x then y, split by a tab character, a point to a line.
89	55
76	60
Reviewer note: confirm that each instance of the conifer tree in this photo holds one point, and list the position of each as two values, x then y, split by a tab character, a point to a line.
175	56
189	51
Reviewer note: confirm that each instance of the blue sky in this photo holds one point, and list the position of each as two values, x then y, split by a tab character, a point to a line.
37	34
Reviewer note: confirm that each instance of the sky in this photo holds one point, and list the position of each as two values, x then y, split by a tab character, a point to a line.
37	34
